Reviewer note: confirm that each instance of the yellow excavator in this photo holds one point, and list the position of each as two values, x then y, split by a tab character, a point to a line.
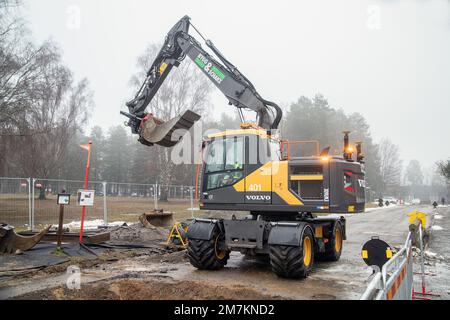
288	199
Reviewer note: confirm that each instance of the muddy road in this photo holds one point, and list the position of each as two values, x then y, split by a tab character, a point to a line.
170	276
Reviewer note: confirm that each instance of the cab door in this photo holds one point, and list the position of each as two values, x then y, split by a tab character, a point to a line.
258	174
224	171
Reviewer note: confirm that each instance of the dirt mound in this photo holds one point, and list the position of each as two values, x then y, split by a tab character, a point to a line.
140	289
136	233
171	257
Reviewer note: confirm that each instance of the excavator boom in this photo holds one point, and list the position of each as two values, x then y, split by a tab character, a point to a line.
239	91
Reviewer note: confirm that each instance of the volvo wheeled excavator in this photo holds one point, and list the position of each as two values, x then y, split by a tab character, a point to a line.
288	199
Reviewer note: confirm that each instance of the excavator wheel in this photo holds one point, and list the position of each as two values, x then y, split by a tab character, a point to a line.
293	261
205	254
333	248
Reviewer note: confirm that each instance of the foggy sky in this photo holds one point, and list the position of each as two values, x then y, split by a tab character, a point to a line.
388	60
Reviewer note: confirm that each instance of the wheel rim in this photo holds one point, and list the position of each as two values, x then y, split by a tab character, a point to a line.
307	251
338	240
220	254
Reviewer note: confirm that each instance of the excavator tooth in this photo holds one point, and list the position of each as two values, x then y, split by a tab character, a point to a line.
155	131
11	242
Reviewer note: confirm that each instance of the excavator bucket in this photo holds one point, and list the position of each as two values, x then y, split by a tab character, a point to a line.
166	134
10	241
156	218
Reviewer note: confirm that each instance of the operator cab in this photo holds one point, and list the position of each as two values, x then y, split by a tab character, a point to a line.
249	170
232	154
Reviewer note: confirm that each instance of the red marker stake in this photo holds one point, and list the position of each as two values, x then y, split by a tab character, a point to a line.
86	182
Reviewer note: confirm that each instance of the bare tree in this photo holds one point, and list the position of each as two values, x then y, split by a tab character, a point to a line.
185	88
62	110
390	164
414	174
444	170
41	108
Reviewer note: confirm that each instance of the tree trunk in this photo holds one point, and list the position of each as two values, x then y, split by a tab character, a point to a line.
166	174
42	192
164	197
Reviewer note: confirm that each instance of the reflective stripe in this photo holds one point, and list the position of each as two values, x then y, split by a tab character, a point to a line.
365	254
388	253
393	289
307	177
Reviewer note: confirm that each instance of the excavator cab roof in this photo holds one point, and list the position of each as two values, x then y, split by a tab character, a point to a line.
246	128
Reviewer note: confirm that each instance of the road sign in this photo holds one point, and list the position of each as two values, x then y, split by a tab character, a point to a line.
376	252
85	197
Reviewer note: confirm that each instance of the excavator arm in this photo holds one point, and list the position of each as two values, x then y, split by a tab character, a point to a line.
239	91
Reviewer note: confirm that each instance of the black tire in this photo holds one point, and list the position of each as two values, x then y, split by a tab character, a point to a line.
289	262
332	250
202	254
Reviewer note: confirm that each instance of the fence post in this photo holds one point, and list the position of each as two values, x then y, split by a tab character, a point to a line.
105	208
191	196
155	196
422	258
33	180
29	202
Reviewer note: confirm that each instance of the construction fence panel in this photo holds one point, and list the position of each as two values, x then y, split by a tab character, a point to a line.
395	281
397	274
44	201
124	200
31	203
15	202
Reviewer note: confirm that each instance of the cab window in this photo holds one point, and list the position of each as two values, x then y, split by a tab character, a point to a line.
269	150
224	162
234	153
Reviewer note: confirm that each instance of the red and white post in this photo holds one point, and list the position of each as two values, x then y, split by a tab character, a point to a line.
87	147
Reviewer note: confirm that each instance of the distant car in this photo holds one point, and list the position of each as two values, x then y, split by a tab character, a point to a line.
391	200
415	201
134	194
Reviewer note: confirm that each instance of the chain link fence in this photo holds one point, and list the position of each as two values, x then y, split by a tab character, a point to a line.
15	201
46	211
30	203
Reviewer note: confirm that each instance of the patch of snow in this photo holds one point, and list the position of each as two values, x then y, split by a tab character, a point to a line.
436	228
438	217
378	233
380	208
91	224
